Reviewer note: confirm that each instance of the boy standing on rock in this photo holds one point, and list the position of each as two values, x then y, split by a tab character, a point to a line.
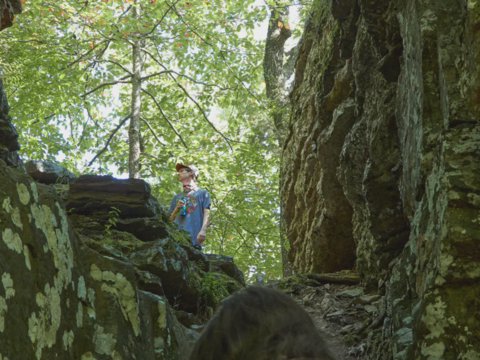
190	209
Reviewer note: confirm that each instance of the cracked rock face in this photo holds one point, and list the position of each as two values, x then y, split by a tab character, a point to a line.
91	194
8	135
85	286
381	168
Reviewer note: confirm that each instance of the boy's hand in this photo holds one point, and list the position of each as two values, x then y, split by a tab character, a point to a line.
201	236
180	203
175	211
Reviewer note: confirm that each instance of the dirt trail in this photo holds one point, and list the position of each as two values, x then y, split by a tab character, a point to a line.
349	318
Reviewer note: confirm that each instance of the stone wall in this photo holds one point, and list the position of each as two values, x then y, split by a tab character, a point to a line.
381	168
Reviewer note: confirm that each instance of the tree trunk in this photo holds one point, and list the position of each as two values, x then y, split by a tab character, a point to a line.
274	67
134	128
275	71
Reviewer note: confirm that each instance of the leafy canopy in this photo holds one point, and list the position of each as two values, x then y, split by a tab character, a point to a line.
67	68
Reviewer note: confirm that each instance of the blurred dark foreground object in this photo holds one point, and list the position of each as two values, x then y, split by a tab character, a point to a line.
259	323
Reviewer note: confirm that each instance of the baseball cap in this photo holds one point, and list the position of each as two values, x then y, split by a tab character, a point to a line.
191	167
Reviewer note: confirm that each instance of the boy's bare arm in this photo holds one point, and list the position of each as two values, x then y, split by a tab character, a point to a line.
203	231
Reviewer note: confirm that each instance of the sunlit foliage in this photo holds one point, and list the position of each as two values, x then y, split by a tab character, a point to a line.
67	68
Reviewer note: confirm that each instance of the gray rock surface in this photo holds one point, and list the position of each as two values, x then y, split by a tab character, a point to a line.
48	172
92	194
76	287
381	168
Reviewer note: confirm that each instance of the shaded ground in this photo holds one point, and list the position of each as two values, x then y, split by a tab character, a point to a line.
350	318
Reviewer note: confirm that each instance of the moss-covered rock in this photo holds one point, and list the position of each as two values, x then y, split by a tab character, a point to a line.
77	288
380	170
215	287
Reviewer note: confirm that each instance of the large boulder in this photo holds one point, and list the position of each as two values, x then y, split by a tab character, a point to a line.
146	229
164	260
224	264
92	194
48	172
167	266
75	287
62	298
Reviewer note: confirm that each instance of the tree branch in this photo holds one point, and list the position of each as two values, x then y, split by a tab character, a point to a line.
90	117
170	7
194	31
119	65
110	83
241	82
199	107
84	55
221	52
165	117
146	77
152	131
227	140
195	81
118	127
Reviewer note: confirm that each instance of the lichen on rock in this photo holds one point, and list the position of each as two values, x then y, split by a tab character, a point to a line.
398	175
118	286
44	324
69	292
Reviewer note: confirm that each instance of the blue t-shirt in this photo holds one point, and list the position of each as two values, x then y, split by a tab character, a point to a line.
192	221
